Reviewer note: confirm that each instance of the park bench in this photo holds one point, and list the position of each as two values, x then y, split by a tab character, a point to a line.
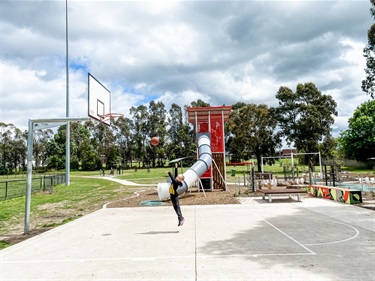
287	191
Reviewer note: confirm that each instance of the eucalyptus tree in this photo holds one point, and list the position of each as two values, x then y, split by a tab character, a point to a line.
41	138
19	149
235	149
104	142
124	139
305	117
180	134
157	126
368	85
55	150
199	103
140	132
5	147
80	145
253	129
13	148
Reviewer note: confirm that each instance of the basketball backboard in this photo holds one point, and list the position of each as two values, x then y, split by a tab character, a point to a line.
99	100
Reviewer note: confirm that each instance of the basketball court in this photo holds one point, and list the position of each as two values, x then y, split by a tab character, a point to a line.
315	239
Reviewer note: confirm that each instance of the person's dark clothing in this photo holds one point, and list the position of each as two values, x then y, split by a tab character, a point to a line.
174	197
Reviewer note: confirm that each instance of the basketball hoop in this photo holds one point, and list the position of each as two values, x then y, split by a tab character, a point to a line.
110	116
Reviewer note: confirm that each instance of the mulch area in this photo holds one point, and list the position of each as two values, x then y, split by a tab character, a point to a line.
189	198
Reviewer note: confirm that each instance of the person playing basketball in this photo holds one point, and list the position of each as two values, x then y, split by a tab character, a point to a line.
176	182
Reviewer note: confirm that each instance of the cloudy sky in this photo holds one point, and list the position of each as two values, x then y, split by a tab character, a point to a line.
178	51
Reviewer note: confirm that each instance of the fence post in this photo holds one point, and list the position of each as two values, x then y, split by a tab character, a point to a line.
252	179
6	190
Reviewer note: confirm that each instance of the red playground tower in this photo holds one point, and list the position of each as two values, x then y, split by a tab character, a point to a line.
211	120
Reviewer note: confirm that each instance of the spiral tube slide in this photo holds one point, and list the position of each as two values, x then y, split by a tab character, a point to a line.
194	172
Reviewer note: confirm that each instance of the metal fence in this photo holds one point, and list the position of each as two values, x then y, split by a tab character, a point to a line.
17	188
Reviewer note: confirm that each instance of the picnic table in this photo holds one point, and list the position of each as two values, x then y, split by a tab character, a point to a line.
284	191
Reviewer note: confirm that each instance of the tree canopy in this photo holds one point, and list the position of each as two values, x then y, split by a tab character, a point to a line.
368	85
253	131
358	141
305	117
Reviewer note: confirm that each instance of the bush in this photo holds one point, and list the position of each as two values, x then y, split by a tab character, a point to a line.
4	170
55	162
74	163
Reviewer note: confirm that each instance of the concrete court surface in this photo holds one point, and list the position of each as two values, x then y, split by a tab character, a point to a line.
316	239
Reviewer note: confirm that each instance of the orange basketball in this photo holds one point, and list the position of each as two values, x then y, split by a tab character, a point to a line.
154	141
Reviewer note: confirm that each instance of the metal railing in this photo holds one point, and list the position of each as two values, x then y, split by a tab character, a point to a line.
17	188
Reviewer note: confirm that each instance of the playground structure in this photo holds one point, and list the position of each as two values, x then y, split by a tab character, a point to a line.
210	120
210	168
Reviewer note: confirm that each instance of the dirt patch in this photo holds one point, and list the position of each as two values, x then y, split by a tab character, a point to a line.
51	206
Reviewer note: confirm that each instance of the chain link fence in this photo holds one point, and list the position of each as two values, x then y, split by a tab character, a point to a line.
17	188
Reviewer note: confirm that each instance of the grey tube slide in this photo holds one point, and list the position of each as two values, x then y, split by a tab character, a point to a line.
194	172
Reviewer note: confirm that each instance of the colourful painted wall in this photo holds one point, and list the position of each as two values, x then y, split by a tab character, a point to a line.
339	194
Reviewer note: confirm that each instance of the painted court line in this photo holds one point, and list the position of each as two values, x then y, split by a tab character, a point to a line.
99	259
286	235
337	241
254	255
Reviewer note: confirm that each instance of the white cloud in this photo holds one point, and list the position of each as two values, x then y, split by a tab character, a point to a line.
179	51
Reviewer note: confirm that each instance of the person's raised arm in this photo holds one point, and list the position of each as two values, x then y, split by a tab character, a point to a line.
171	176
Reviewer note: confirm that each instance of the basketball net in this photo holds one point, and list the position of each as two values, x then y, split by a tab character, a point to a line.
110	116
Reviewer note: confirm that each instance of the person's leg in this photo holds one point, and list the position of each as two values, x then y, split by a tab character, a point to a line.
176	207
173	199
178	212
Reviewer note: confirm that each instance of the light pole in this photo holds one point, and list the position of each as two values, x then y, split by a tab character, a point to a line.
67	134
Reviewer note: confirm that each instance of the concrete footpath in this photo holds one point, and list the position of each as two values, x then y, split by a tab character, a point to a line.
315	240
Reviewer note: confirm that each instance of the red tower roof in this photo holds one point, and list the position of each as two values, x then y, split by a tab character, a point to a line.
201	113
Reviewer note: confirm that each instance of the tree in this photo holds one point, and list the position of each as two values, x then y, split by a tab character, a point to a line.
82	152
12	148
199	103
235	149
55	150
305	117
105	145
358	141
19	149
124	139
140	118
253	131
368	85
5	148
41	138
180	135
157	126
